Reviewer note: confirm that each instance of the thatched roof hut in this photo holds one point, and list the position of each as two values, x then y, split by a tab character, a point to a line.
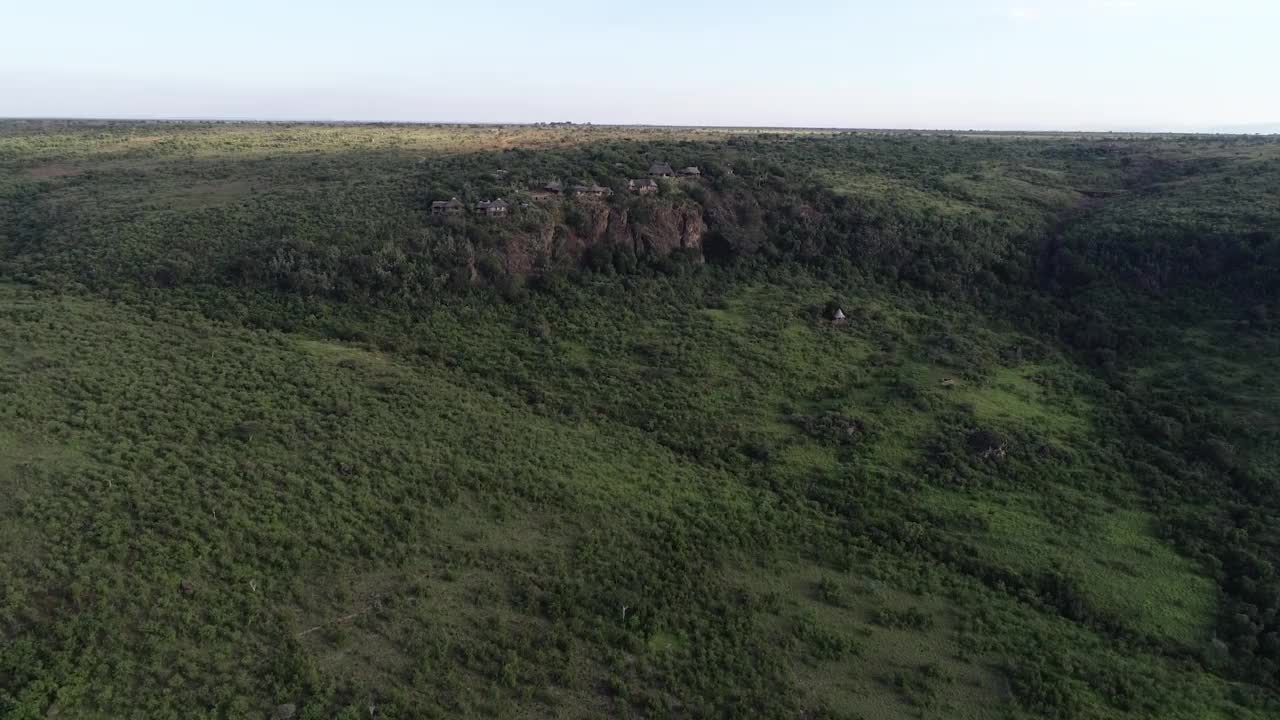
452	206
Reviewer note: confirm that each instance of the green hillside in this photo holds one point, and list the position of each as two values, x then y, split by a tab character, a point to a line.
277	442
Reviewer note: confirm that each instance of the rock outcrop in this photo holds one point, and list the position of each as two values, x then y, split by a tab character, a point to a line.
564	240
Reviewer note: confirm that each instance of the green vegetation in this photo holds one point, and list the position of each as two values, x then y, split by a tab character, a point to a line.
273	440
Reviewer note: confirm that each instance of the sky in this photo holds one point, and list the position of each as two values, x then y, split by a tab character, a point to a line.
938	64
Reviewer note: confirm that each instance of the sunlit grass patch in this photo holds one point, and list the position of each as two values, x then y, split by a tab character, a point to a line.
997	187
1122	566
1136	574
877	187
1013	396
869	649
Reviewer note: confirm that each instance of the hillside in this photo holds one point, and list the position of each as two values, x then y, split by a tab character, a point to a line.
277	442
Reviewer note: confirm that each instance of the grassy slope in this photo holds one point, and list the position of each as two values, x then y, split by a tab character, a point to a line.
463	534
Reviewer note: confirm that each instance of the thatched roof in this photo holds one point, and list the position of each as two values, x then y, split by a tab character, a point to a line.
661	169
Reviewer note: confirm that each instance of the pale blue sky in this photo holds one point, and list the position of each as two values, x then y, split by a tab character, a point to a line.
1095	64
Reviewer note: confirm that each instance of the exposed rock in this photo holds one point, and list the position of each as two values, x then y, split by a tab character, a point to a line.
286	711
670	229
987	444
523	251
563	244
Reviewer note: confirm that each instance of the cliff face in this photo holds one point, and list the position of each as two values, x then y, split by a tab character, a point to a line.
669	229
568	236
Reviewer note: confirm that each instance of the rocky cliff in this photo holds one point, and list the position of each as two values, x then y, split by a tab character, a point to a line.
574	230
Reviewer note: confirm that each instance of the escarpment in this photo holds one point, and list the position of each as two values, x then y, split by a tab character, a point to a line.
652	231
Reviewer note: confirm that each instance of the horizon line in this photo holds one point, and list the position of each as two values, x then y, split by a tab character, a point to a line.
1238	129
